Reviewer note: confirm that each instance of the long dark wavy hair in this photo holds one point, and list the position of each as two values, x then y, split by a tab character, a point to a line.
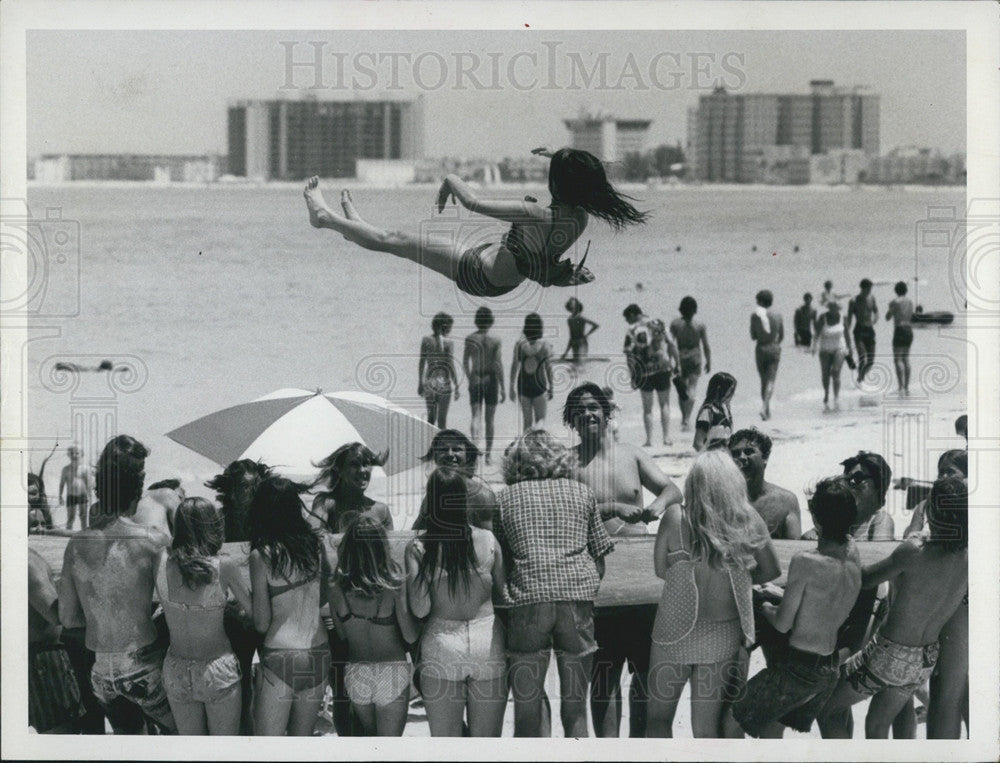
331	466
578	178
198	533
225	486
279	529
364	564
447	538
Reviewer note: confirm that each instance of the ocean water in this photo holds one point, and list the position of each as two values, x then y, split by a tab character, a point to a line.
218	295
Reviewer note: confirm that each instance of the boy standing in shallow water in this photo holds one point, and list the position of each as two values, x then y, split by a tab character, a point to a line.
819	594
930	581
107	587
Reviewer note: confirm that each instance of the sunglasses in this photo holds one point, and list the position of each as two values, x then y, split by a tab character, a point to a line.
856	478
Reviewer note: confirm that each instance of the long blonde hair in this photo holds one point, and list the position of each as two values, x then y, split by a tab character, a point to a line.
724	526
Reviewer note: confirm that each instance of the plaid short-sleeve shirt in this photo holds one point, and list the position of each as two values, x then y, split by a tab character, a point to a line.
552	533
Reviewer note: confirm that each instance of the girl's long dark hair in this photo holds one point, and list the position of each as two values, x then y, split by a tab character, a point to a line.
578	178
719	386
365	565
198	532
447	538
279	529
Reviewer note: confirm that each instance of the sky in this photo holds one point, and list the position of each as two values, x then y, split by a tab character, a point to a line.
485	94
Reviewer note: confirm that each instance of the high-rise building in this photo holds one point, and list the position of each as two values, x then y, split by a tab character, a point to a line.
607	138
734	137
291	140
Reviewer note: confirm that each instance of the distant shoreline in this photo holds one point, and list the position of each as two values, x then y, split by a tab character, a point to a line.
354	184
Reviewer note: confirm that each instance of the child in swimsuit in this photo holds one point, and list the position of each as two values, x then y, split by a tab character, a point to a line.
708	554
287	561
713	426
370	613
200	672
578	324
452	570
532	248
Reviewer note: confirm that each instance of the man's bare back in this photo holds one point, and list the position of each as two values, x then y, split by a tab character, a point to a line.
929	583
823	589
107	584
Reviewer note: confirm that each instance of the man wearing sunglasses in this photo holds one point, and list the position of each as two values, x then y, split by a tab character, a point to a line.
869	477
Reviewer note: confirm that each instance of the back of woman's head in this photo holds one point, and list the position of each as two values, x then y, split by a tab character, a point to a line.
720	386
578	178
331	466
448	537
278	527
536	455
198	534
120	474
724	525
532	327
365	564
948	513
688	308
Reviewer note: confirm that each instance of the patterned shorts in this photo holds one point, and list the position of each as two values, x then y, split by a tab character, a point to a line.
134	676
884	664
53	693
377	683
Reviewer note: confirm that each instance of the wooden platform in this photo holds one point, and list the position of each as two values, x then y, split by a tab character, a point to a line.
628	581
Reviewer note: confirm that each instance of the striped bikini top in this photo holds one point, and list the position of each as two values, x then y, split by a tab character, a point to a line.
677	613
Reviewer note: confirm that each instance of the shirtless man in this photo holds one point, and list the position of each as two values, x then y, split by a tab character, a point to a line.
862	313
751	449
106	587
820	591
901	313
484	370
766	329
690	336
75	481
617	474
930	581
157	506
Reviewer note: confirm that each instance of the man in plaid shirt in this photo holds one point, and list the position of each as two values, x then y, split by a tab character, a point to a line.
554	545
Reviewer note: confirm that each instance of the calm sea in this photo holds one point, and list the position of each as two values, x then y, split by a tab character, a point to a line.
221	294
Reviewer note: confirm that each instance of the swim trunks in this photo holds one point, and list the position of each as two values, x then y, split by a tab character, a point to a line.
471	278
206	681
654	382
767	357
884	664
902	337
135	676
484	389
377	683
793	691
690	362
456	650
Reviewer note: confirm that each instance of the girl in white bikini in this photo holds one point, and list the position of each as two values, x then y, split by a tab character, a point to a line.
533	247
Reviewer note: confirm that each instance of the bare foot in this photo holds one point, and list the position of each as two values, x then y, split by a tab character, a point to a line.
347	203
319	212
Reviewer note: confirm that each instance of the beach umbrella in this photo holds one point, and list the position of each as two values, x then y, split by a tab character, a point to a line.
291	429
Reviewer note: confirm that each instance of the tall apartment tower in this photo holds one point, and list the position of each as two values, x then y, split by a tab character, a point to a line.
736	137
607	138
291	140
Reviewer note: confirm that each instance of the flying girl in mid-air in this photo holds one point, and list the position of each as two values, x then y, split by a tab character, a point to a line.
531	249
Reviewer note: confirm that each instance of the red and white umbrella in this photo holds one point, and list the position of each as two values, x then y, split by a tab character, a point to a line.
291	429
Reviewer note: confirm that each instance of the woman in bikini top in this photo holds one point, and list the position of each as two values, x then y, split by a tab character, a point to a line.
532	248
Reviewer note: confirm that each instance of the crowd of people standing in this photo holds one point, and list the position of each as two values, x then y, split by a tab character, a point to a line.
470	609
